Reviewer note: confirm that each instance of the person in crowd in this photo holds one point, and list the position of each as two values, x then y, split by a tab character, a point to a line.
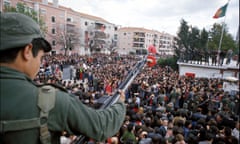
72	72
163	128
180	139
43	111
223	121
229	56
128	136
222	56
144	139
214	58
235	131
228	138
147	125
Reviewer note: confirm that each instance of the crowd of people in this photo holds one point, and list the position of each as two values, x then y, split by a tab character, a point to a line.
162	106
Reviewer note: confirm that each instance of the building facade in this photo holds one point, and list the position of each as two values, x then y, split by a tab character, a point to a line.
137	40
71	32
97	34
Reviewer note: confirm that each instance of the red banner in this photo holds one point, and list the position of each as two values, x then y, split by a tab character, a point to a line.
151	61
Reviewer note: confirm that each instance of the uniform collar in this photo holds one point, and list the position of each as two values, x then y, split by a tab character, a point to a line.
10	73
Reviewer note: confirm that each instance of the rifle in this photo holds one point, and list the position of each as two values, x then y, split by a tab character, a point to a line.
110	100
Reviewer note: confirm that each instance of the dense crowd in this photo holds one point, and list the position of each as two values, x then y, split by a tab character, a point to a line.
162	106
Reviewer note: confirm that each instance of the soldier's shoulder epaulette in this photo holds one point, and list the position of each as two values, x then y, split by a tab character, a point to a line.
54	85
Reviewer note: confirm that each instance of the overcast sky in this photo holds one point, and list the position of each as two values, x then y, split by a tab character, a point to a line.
161	15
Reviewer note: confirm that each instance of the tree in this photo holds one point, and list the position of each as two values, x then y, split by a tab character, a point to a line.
182	40
204	39
67	36
193	44
227	39
189	41
24	9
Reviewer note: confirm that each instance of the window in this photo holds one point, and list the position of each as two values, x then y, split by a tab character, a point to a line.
86	23
43	11
69	20
53	42
53	19
115	36
24	8
53	31
7	3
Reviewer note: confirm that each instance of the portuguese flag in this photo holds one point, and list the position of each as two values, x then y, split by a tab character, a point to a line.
221	11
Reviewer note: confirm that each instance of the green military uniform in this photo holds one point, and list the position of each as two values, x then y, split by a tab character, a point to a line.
18	100
20	113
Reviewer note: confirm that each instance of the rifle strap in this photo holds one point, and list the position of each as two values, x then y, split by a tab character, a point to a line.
46	101
16	125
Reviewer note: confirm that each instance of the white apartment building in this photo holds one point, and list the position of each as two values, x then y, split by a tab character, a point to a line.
136	40
166	44
97	34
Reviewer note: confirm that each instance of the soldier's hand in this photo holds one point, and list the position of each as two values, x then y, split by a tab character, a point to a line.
122	95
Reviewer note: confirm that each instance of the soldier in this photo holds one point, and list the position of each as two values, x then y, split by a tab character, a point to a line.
32	114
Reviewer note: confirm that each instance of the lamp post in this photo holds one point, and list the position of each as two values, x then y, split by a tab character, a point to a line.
209	38
207	53
189	51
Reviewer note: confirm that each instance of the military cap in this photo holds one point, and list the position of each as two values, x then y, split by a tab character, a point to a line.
18	30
